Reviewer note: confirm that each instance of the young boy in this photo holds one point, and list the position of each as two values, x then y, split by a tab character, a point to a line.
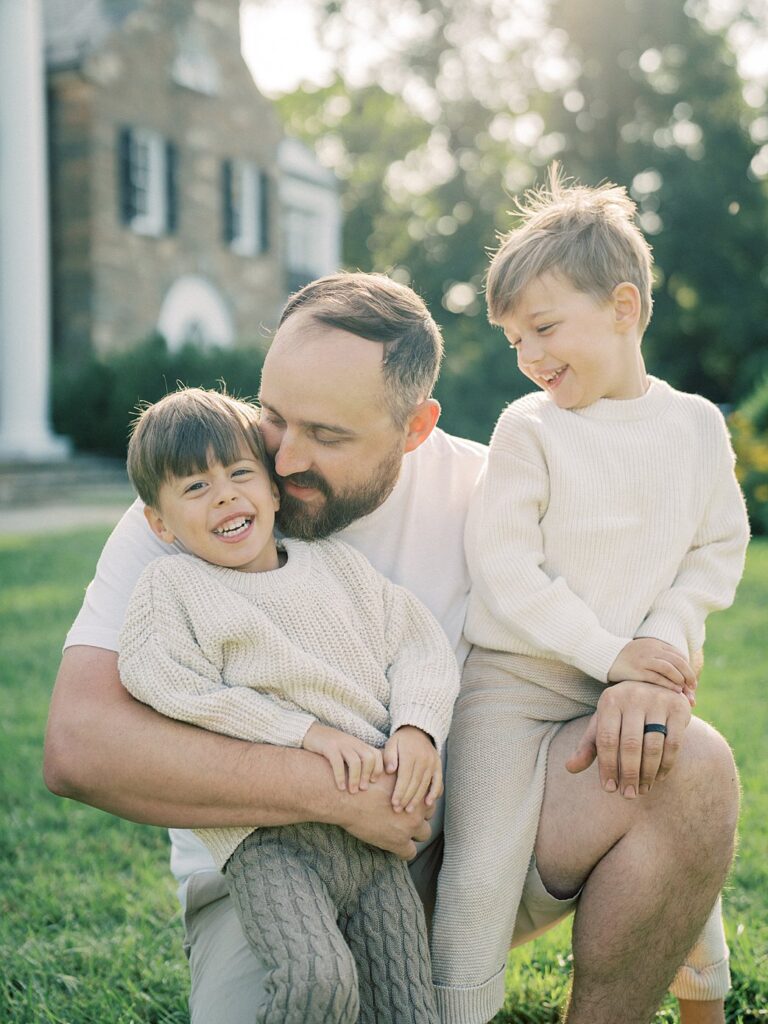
609	524
300	645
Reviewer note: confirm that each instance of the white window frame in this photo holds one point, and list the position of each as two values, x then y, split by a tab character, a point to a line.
245	199
147	176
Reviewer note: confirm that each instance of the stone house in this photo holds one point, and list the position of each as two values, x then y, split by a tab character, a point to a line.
177	204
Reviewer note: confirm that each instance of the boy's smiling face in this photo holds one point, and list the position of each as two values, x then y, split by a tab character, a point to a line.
575	347
223	514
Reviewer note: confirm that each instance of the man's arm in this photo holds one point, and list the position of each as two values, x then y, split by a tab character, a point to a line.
106	749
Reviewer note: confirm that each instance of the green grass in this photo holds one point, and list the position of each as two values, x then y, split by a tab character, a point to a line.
89	925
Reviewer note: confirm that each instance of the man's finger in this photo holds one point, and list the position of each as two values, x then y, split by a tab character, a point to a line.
607	737
677	721
630	752
653	749
586	752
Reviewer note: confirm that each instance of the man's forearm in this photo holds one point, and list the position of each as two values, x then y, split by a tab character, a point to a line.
106	749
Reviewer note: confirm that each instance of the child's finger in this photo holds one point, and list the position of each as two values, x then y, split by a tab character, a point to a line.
436	786
391	759
368	757
378	765
402	786
422	785
354	768
337	767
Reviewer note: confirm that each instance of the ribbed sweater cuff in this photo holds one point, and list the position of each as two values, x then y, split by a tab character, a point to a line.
476	1004
712	982
421	718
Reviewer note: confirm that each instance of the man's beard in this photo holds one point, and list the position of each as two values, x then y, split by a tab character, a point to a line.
296	518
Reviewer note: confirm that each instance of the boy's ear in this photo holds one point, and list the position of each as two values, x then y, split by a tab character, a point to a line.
626	306
421	423
276	495
157	525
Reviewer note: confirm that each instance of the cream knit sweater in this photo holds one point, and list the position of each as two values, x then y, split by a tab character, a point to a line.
594	526
261	656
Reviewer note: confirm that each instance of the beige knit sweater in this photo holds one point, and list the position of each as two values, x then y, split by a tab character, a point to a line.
261	656
594	526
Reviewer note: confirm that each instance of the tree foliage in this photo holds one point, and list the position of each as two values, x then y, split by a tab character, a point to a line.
472	100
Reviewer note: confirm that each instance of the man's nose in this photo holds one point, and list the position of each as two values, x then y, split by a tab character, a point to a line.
291	456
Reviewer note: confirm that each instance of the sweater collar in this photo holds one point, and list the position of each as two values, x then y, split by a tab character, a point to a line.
254	584
648	406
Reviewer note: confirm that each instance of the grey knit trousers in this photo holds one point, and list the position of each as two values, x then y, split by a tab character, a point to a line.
338	924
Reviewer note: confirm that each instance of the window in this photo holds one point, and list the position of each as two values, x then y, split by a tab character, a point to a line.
246	207
303	258
147	181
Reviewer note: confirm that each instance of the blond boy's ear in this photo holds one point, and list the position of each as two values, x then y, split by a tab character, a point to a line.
157	525
276	495
421	423
626	306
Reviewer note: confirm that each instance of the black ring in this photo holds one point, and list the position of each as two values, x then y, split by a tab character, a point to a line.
655	727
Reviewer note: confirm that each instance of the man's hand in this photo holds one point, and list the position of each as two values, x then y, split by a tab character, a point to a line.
354	764
411	753
629	759
649	660
371	818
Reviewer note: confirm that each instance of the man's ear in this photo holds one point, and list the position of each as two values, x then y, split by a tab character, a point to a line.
157	525
421	423
626	306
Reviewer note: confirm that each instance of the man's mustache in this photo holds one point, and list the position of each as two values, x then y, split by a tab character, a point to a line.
307	479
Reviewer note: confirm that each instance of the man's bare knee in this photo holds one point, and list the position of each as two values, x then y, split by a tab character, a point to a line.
708	785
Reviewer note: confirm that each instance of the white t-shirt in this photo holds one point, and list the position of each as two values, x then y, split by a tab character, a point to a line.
415	538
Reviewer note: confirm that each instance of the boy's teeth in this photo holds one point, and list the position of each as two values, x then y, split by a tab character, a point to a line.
232	527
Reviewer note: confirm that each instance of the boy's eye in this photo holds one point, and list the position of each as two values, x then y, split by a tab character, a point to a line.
198	485
242	472
544	328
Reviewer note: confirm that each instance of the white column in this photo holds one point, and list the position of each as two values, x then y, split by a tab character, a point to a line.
25	433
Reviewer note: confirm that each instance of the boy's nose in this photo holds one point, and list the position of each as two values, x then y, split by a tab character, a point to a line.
529	352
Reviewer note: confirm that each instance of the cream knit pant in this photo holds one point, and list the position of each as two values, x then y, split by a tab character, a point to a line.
508	711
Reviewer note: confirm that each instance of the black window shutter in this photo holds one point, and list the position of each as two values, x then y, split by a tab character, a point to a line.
125	191
228	226
171	187
264	204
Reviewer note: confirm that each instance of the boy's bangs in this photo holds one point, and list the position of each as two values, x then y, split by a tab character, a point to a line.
201	441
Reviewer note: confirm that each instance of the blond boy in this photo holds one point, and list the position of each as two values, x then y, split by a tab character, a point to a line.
301	645
608	526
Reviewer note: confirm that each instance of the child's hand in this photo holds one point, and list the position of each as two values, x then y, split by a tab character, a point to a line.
347	755
648	660
411	753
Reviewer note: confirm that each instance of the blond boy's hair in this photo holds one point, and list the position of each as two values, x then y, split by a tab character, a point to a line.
182	433
588	235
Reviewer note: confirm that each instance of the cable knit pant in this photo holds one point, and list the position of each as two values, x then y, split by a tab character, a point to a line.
508	711
339	925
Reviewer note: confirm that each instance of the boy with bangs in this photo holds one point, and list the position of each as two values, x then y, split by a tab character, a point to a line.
301	645
608	525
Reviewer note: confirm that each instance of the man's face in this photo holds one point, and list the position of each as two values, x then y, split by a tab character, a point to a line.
326	424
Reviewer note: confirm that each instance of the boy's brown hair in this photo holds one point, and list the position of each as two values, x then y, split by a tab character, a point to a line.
586	234
180	435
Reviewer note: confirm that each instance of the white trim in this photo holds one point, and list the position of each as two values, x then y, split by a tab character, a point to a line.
193	309
147	162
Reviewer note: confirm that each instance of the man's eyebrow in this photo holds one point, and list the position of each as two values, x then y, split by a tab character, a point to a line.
332	428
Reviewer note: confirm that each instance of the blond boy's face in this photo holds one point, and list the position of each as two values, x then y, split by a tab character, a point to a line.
575	347
224	514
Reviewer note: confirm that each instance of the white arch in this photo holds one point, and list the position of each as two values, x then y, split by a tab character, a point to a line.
193	310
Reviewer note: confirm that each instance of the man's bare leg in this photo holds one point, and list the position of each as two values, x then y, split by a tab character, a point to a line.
651	867
693	1011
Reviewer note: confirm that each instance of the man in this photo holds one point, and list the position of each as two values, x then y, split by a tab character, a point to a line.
349	420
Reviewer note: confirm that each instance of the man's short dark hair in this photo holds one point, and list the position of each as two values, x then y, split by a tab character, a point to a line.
374	307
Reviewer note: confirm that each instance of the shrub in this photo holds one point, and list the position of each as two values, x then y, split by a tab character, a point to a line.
94	402
749	431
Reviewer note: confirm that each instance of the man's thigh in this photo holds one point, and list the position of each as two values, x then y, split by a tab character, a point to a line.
227	979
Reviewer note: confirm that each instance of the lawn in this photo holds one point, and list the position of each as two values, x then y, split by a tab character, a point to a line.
89	927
